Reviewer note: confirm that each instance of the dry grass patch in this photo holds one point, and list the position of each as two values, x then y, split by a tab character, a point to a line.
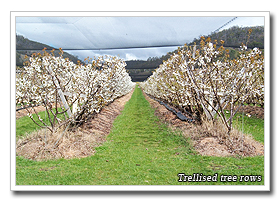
38	146
42	145
210	138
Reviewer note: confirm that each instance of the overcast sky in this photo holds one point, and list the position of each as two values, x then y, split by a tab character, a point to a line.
126	37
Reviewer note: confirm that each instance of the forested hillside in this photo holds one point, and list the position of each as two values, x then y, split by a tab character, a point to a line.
232	37
27	47
141	69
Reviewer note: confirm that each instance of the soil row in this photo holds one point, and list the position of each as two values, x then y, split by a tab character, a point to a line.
80	143
208	138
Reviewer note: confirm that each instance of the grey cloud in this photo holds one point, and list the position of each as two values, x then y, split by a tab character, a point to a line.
89	36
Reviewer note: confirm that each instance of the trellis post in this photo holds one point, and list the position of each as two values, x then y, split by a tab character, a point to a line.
61	95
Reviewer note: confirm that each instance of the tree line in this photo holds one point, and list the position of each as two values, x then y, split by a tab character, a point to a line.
27	47
232	37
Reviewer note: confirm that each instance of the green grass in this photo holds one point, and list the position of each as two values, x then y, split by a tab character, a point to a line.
140	150
25	125
249	125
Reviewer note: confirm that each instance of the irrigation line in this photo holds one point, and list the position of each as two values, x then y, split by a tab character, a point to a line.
26	107
178	114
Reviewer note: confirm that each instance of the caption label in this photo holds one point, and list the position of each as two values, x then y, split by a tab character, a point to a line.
199	177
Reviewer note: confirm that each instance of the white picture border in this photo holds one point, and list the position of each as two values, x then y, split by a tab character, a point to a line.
265	187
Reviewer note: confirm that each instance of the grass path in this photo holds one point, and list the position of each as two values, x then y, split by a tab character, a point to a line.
140	150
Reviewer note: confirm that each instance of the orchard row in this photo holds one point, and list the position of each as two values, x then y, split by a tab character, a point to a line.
76	90
207	83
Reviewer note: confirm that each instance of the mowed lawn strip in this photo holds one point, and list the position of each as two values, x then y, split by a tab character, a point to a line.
140	150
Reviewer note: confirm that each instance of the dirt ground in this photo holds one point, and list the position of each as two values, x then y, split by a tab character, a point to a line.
209	139
23	112
80	143
253	110
103	121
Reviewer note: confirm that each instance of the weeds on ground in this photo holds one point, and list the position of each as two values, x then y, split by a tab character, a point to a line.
140	150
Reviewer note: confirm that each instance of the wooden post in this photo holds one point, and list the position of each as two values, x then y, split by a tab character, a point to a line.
194	49
211	102
61	95
197	90
75	104
75	107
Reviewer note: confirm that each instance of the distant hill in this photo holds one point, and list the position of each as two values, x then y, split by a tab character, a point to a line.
139	70
27	47
234	36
